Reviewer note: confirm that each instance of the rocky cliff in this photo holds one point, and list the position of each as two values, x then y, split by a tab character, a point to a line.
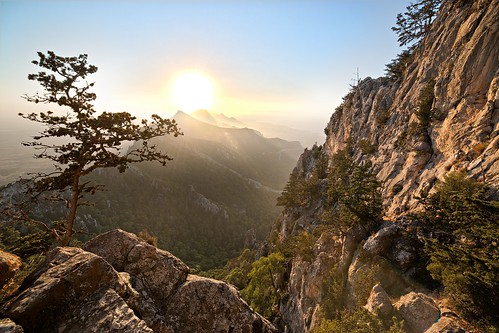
460	58
456	69
119	283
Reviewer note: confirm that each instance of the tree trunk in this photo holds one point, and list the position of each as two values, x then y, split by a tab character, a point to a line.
73	205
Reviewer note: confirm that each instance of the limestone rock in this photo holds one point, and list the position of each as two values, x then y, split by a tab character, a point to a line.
305	286
446	325
8	326
9	265
381	241
460	53
67	278
207	305
418	311
103	312
78	291
379	301
126	252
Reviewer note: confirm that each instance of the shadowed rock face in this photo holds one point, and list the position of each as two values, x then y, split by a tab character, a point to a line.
119	283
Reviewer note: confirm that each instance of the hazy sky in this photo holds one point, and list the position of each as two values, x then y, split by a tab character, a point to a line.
281	61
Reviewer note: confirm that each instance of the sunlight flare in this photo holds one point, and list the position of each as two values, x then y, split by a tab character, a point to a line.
192	91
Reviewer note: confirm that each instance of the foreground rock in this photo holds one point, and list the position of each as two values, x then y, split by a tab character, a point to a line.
9	265
126	285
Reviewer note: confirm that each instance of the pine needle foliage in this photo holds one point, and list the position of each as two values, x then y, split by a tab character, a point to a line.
79	140
462	246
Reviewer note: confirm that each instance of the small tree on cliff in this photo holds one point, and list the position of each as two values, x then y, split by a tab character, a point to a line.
89	140
413	24
353	195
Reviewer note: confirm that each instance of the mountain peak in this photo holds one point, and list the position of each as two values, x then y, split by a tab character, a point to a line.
204	115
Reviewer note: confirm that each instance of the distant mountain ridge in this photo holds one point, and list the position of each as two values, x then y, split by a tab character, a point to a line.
220	189
218	119
269	130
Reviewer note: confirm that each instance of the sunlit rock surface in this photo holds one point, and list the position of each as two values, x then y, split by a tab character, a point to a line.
119	283
461	55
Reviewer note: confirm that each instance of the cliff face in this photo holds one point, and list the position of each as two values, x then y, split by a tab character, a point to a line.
460	54
457	65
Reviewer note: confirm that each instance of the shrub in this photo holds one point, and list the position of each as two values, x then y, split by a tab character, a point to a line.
353	194
366	147
396	68
359	321
424	108
364	281
462	246
262	292
334	298
148	238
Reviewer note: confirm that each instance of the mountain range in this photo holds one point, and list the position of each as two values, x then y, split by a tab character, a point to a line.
218	191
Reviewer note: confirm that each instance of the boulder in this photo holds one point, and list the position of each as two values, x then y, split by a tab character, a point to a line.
381	241
125	285
9	265
62	291
446	325
103	312
418	311
207	305
8	326
162	271
379	301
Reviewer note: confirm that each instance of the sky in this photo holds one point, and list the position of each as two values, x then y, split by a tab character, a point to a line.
286	62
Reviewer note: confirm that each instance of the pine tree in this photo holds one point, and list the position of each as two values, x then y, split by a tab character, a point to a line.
353	194
462	246
90	140
412	25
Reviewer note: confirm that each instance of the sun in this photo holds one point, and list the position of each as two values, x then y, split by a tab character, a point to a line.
192	91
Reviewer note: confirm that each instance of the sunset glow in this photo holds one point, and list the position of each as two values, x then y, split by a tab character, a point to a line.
192	91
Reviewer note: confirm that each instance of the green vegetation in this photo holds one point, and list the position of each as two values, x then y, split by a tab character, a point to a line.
263	292
300	245
359	321
425	113
424	108
366	147
365	280
396	68
300	192
463	248
90	141
413	24
335	296
353	193
31	241
411	27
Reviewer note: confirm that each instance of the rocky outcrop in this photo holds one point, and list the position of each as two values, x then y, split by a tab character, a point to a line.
305	285
418	311
378	121
119	283
460	54
8	326
9	265
379	302
206	305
